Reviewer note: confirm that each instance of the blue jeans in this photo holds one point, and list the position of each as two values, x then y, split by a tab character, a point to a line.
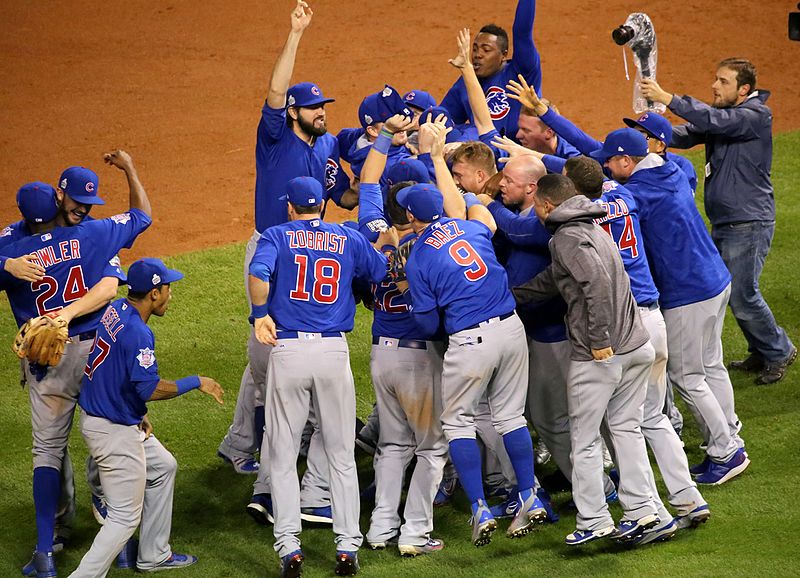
744	248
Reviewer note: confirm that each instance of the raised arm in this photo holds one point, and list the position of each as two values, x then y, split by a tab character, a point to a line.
138	196
432	136
284	66
525	56
477	100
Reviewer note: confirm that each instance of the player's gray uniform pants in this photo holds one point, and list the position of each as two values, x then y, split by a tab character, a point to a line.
138	476
408	392
493	360
667	448
302	371
613	389
695	366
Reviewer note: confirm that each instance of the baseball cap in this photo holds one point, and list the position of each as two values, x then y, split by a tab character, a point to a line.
424	201
653	124
303	192
419	99
454	135
148	273
623	141
380	106
407	170
81	185
305	94
37	202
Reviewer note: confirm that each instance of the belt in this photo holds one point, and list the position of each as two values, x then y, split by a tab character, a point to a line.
652	305
85	336
404	343
306	335
489	321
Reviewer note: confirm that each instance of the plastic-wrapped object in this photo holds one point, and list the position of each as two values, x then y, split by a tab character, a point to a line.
638	33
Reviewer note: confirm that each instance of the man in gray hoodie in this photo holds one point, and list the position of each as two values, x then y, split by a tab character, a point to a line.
610	362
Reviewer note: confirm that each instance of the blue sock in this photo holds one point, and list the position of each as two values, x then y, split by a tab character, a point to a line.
467	459
520	450
46	490
260	420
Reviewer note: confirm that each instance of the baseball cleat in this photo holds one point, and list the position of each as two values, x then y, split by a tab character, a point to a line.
698	516
552	517
505	509
531	512
383	544
660	533
410	550
541	454
241	465
322	515
346	563
368	493
629	530
99	509
175	560
41	565
126	559
483	524
260	508
579	537
698	469
717	474
292	564
59	543
447	487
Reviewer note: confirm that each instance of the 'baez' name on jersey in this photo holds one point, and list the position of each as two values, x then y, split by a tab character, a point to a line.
316	240
50	255
443	234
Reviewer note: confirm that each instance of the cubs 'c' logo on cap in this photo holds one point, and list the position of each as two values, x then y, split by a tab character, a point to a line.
498	102
89	187
315	90
411	96
331	172
643	118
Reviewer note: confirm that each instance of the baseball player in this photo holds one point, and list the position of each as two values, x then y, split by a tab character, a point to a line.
137	472
406	368
611	359
300	289
452	268
417	101
622	223
694	286
74	258
489	52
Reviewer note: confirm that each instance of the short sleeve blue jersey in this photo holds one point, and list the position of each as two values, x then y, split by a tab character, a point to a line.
310	266
75	259
453	268
121	372
281	156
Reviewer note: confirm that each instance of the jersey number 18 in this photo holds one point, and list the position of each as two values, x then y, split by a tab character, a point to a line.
326	279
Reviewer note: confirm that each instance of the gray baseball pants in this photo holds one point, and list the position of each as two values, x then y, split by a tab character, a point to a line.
613	389
696	368
138	476
312	370
407	386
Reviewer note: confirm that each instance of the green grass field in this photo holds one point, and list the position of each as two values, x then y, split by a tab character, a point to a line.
753	530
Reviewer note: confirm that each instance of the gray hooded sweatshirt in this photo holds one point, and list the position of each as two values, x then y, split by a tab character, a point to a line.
587	271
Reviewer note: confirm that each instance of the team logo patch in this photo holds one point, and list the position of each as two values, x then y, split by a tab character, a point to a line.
122	218
89	187
497	100
331	172
146	357
620	149
6	232
411	96
156	279
290	101
315	90
377	226
386	92
367	119
63	184
609	186
47	237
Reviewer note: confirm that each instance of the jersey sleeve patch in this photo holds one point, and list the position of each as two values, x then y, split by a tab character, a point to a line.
146	357
121	219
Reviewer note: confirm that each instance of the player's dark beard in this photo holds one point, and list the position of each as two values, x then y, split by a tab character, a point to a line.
309	128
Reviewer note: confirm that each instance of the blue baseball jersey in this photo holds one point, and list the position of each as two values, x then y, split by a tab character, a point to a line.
310	266
622	223
281	156
355	147
75	259
121	373
452	267
686	266
524	60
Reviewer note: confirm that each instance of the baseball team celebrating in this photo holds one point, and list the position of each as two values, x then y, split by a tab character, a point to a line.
519	272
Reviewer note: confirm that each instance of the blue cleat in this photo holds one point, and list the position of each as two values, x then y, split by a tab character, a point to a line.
698	516
321	515
505	509
717	474
629	530
531	512
346	563
579	537
698	469
99	509
660	533
552	517
126	560
240	465
41	565
447	488
260	508
483	524
175	560
292	564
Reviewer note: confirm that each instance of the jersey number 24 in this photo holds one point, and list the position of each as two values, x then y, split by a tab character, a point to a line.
47	287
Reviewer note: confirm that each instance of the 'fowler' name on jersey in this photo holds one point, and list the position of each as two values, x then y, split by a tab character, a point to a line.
50	255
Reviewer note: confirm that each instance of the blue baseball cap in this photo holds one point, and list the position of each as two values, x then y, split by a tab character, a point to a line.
303	192
454	135
81	185
305	94
408	170
148	273
653	124
381	106
419	99
37	202
424	201
623	141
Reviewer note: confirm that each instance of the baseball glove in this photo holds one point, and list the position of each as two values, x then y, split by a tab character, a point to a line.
398	260
42	339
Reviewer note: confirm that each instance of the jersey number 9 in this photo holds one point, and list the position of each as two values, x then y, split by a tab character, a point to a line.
463	254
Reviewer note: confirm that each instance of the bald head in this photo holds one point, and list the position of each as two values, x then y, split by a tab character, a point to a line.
520	175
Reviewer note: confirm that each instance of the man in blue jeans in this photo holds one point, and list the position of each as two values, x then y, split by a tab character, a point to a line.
739	199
